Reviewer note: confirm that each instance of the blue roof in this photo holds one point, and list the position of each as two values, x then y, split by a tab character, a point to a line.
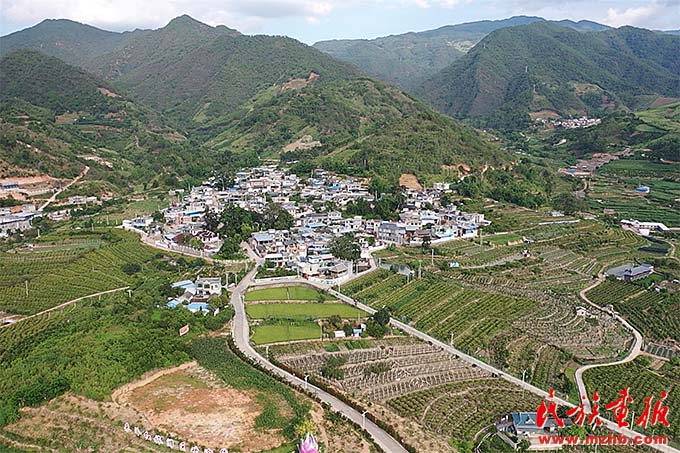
173	303
182	284
262	237
524	419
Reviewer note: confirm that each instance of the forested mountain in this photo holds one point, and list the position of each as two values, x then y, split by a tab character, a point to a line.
56	118
542	66
187	69
237	99
70	41
359	126
407	59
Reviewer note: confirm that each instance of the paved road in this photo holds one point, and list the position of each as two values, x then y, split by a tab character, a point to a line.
241	336
66	304
485	366
634	352
240	333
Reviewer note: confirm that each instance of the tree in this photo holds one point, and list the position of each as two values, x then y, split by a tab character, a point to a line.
382	316
568	203
131	268
345	248
306	426
211	220
427	242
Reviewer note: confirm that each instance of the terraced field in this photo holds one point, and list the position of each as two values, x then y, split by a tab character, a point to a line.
421	383
57	276
608	381
461	409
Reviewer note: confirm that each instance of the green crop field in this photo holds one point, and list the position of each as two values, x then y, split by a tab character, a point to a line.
55	276
310	310
608	381
441	307
285	331
285	293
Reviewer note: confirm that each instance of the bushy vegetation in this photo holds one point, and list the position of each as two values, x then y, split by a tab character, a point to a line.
91	349
545	66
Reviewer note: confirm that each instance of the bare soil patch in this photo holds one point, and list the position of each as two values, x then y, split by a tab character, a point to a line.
410	181
190	403
543	114
108	93
663	100
303	144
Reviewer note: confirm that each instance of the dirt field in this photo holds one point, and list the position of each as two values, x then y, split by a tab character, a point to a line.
410	181
303	144
186	402
543	114
191	404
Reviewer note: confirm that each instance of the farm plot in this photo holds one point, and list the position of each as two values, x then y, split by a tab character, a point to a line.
56	277
461	409
282	330
612	291
286	293
381	373
310	310
656	315
608	381
443	308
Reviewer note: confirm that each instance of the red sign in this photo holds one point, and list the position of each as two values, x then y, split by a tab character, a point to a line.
650	416
184	330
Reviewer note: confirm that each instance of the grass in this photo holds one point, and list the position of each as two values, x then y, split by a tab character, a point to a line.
311	310
286	293
274	333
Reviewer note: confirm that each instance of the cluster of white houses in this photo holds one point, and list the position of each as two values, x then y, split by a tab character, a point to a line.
317	205
17	218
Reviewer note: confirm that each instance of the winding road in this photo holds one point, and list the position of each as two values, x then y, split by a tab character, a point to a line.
634	351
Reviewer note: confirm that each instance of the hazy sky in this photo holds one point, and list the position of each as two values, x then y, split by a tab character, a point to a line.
314	20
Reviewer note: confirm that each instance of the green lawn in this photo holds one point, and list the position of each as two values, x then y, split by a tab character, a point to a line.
273	333
310	310
285	293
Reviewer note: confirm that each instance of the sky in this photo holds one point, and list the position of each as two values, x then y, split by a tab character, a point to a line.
315	20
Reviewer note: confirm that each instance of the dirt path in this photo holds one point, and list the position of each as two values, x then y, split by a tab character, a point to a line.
66	304
22	445
73	181
634	352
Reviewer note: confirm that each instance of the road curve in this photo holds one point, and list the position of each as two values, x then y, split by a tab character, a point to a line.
612	426
243	338
240	334
634	352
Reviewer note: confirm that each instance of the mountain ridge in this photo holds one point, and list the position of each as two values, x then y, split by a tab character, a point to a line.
539	66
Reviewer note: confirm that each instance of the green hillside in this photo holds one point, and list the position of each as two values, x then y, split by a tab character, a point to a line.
540	66
53	116
359	127
406	60
70	41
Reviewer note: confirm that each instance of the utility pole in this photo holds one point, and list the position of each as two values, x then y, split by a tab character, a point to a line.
363	420
129	291
306	383
26	282
432	257
420	272
524	372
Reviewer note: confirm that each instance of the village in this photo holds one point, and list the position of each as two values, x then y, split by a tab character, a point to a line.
317	206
